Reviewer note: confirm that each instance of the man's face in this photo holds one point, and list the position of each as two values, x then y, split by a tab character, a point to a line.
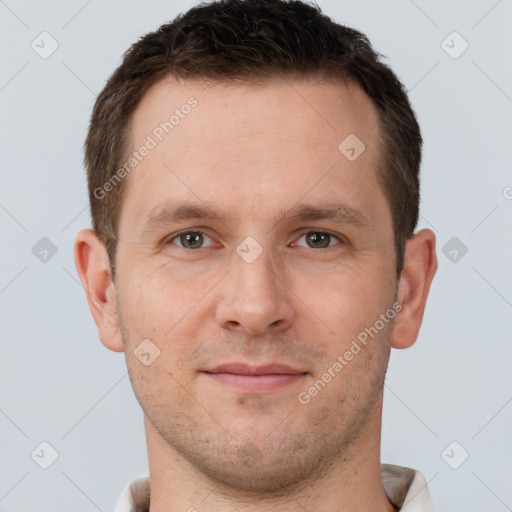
297	292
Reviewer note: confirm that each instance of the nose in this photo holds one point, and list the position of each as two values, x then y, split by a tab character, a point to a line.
255	297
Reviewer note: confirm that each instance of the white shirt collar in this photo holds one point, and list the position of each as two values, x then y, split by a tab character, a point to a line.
406	488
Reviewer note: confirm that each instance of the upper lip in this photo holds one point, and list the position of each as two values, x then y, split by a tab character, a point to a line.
247	369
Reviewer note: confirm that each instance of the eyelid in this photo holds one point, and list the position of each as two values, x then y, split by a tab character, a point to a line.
341	239
170	238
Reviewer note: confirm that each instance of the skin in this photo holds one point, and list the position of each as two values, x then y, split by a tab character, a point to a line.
258	153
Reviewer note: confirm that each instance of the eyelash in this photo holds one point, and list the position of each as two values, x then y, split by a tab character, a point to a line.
339	238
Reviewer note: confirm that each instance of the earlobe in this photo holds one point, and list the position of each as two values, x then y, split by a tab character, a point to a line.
92	265
420	265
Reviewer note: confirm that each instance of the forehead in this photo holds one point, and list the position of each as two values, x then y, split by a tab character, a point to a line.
323	111
219	143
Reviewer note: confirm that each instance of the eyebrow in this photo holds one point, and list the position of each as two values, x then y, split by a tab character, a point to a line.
172	212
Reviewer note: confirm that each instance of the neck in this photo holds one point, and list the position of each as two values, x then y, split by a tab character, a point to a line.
350	482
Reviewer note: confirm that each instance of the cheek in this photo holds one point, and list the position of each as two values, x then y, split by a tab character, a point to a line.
155	301
157	388
159	310
352	301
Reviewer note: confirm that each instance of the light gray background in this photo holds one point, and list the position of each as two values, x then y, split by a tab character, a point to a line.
60	385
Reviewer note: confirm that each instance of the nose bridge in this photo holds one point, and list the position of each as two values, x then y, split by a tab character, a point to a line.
255	267
255	297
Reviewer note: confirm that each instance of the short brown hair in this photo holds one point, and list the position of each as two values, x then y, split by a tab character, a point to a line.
253	41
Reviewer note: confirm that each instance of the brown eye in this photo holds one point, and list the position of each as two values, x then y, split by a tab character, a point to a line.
319	239
190	239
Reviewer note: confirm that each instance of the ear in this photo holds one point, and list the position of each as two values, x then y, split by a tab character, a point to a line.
91	261
420	265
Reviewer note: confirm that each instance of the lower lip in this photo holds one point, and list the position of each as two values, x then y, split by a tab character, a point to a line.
256	383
